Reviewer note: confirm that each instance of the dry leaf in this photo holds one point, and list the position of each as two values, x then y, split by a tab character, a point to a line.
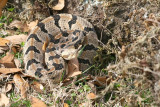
84	105
100	81
9	70
17	39
37	86
67	82
73	68
4	42
59	6
1	50
21	84
7	87
17	63
8	60
37	102
0	12
66	105
4	100
91	96
123	52
20	25
31	25
2	4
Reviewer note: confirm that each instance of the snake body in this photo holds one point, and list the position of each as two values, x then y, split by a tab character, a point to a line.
54	41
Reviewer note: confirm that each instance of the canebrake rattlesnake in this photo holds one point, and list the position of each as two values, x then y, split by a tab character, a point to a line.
55	40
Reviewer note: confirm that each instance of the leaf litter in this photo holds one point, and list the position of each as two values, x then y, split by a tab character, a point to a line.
126	72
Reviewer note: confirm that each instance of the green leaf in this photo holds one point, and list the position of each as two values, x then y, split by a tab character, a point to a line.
10	9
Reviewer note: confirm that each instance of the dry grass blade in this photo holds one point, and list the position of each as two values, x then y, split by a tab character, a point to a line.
21	84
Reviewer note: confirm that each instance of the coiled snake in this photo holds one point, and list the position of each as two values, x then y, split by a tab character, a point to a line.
55	40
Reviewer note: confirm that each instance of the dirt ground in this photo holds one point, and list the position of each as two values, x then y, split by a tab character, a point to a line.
127	65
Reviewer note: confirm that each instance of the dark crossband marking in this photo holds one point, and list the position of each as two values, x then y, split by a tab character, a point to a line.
72	21
32	48
74	39
56	19
52	57
63	45
88	29
30	62
84	61
64	34
50	49
58	66
53	40
77	44
38	72
35	37
89	47
42	27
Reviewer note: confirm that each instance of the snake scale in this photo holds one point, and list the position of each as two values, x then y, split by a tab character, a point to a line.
54	41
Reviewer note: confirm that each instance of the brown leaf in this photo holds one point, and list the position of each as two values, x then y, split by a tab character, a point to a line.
66	105
1	50
32	24
123	52
8	60
9	70
17	39
17	63
59	6
7	87
37	102
4	100
2	4
91	96
0	12
83	105
4	42
20	25
37	86
100	81
21	84
73	68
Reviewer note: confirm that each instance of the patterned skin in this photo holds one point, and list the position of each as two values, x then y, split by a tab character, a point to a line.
55	40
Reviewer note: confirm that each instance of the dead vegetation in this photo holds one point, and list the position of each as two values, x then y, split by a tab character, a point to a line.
127	66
